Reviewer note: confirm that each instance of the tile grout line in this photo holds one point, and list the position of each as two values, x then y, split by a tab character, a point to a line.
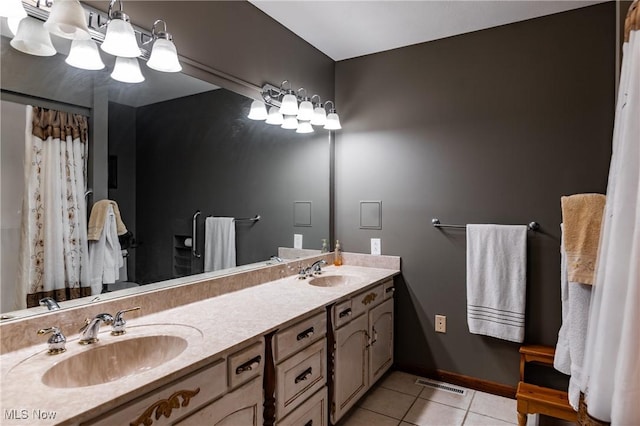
403	419
466	414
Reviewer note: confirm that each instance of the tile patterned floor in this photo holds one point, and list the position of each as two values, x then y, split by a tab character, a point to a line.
397	400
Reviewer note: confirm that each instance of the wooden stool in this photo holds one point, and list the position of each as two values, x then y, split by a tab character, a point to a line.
533	399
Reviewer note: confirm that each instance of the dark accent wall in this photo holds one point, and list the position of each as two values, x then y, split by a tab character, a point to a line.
488	127
202	153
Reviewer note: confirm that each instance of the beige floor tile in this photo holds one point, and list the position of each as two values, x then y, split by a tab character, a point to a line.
388	402
430	413
448	398
474	419
362	417
494	406
401	382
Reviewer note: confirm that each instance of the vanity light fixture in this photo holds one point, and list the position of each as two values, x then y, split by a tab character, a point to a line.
275	117
258	111
333	121
319	113
304	127
127	70
84	54
67	20
120	39
32	38
305	109
164	56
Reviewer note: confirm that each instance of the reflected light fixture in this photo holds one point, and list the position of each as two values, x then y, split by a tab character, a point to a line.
258	111
275	117
127	70
32	38
304	127
305	109
84	54
333	121
290	122
120	39
67	20
289	104
164	56
319	113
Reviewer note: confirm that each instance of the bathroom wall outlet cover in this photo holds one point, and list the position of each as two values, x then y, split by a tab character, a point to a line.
376	247
297	241
441	324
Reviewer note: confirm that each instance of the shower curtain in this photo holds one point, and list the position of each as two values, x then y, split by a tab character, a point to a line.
612	362
53	259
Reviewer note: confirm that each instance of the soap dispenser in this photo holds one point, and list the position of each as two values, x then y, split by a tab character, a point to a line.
337	254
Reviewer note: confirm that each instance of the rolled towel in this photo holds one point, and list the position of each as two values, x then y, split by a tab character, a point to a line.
99	216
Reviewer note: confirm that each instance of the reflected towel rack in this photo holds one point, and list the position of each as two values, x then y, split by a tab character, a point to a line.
245	219
532	226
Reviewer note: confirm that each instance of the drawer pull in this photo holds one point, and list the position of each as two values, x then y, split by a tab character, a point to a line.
304	375
309	423
390	290
305	334
249	365
165	407
344	313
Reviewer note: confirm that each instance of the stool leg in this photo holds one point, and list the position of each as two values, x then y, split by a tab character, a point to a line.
522	419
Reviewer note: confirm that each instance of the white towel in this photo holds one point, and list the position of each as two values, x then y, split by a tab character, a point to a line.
105	255
496	280
219	243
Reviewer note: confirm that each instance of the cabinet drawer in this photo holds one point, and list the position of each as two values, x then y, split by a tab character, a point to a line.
342	313
367	299
300	376
389	289
312	412
299	336
164	406
246	364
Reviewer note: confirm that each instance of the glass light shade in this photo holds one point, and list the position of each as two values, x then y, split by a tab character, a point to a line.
120	40
84	54
305	111
289	105
304	127
319	116
258	111
333	122
13	24
164	56
32	38
12	9
127	70
67	20
290	122
274	116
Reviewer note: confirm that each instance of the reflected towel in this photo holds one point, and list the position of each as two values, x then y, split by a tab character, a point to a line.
496	280
98	219
581	218
219	243
105	255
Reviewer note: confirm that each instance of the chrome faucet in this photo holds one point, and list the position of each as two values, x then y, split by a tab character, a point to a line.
50	303
315	268
119	322
56	341
91	328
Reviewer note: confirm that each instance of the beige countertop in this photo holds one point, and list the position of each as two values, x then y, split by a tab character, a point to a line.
213	328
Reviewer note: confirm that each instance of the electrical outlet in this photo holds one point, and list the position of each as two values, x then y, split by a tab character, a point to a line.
441	324
375	246
297	241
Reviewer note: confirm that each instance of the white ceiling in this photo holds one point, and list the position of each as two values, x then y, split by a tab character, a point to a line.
350	28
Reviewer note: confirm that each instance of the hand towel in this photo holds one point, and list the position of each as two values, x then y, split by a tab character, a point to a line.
219	243
581	218
105	255
496	280
98	218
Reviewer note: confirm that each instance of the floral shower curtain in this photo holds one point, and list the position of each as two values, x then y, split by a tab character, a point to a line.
53	247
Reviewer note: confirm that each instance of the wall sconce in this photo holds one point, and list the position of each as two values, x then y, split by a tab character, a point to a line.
164	56
67	20
120	39
283	102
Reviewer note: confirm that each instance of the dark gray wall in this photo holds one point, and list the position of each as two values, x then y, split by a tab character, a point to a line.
202	153
488	127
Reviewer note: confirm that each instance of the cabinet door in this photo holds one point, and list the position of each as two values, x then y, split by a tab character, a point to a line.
381	333
351	373
243	407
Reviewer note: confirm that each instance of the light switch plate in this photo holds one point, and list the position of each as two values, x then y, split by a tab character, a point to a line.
376	248
297	241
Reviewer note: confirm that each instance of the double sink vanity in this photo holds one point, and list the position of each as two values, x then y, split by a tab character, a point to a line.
259	347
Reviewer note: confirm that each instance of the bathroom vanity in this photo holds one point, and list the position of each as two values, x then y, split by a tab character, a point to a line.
287	351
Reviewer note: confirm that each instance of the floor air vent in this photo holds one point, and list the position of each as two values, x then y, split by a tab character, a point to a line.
442	386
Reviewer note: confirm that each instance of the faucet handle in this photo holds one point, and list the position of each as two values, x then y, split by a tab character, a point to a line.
119	322
56	341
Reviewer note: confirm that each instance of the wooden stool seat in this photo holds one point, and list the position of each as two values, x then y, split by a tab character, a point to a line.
532	399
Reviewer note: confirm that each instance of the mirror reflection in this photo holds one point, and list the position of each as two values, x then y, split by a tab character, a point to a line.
178	156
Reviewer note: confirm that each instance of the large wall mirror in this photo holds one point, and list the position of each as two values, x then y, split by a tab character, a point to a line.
176	146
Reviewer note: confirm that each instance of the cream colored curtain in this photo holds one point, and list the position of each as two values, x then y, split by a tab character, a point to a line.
53	246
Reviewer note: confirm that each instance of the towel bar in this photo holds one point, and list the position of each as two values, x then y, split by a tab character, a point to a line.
532	226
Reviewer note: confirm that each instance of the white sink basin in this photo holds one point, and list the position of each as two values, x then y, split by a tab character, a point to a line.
113	361
334	280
